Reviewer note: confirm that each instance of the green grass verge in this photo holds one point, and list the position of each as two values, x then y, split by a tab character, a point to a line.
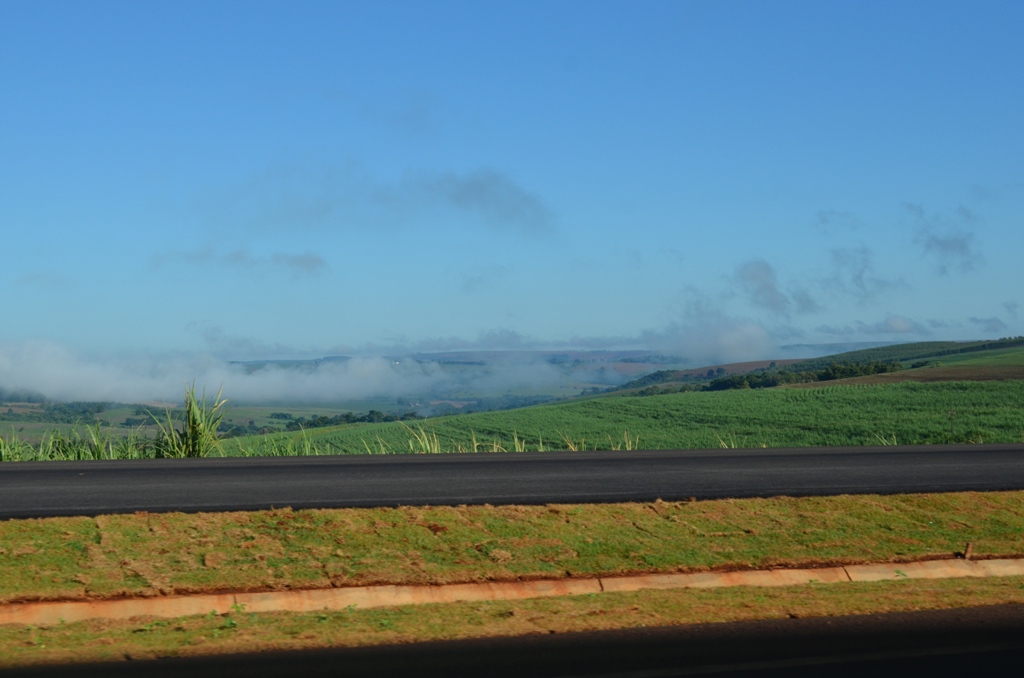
239	631
152	554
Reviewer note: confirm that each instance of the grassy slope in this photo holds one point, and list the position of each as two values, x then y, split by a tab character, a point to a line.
906	353
995	365
913	413
1003	357
979	355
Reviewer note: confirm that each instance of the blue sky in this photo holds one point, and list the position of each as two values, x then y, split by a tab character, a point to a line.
713	179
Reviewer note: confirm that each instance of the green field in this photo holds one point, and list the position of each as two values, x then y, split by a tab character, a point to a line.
1003	357
944	351
34	430
917	413
901	413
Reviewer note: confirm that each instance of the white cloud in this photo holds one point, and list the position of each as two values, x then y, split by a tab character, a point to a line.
757	279
836	221
304	264
853	275
949	239
49	280
992	325
294	198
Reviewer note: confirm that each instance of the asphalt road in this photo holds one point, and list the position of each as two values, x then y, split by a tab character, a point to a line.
979	641
97	487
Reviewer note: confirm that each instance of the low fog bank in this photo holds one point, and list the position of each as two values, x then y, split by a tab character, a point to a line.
57	373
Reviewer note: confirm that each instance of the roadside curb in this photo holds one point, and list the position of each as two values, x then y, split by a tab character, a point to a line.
50	613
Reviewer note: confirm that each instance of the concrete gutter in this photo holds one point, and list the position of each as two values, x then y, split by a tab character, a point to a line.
49	613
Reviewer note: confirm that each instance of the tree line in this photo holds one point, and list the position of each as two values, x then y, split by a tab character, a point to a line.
57	413
770	378
320	421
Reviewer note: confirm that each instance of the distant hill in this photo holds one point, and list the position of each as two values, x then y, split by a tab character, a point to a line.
702	374
920	350
877	357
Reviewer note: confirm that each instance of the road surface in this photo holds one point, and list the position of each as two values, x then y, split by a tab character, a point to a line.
99	487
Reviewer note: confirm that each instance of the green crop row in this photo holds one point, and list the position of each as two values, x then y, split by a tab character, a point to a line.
901	413
884	414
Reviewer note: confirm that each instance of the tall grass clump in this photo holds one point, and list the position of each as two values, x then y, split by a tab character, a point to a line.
57	446
628	443
198	434
264	446
422	442
100	444
378	447
14	449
